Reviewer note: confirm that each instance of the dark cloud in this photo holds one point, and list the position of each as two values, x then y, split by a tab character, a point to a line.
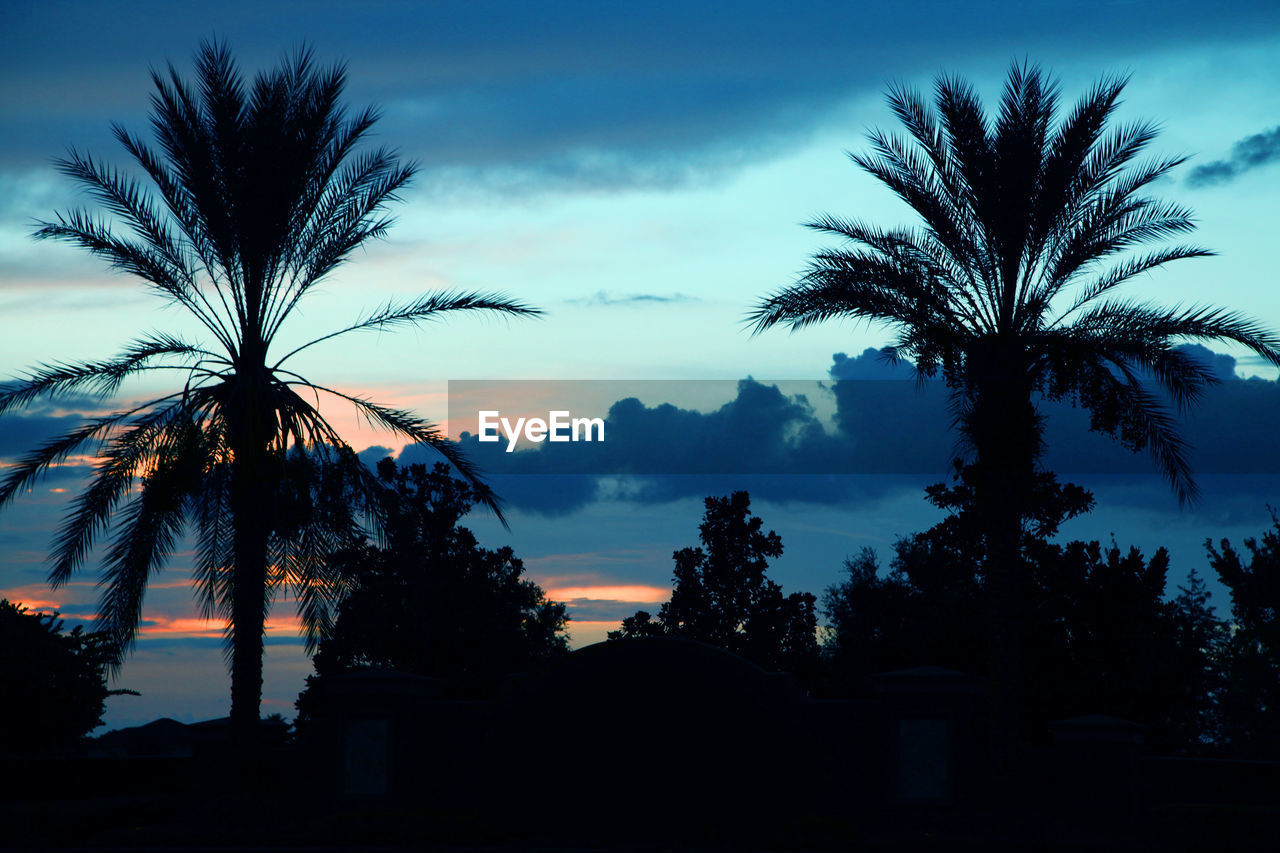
1226	431
870	364
787	489
1247	154
908	424
887	436
1223	366
760	430
1226	501
589	96
583	610
371	456
22	432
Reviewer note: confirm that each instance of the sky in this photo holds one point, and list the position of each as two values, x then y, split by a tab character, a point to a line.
641	172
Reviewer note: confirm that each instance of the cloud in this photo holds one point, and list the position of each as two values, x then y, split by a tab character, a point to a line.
887	434
905	426
280	624
1222	366
374	454
592	568
757	431
871	363
584	632
1249	153
612	612
608	601
602	297
561	94
23	431
628	593
36	597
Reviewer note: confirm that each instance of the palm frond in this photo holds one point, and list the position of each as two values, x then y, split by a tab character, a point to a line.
151	525
421	431
1121	406
94	234
1129	320
1126	270
102	379
427	308
856	284
214	521
30	468
306	550
148	440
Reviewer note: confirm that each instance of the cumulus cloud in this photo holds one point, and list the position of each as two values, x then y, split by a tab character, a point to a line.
871	363
884	436
371	456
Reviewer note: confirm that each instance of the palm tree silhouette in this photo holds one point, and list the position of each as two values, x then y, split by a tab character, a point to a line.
256	193
1010	288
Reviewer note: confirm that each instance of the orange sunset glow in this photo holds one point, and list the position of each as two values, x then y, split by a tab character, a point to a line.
623	592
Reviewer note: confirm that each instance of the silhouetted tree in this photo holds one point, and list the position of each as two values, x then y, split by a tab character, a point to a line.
53	681
256	193
1201	639
722	596
433	601
1101	638
928	608
1010	290
1250	707
1097	634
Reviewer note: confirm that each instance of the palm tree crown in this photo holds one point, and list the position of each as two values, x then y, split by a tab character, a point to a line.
256	192
1010	286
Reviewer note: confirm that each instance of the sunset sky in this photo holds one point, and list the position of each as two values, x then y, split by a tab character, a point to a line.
641	172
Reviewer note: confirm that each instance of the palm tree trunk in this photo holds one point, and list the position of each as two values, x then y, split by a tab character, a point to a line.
1004	652
1005	430
248	607
250	490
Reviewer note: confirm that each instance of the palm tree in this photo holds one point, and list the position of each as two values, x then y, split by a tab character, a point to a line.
256	193
1009	288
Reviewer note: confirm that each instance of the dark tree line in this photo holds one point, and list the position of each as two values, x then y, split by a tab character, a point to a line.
1093	629
1098	629
1099	632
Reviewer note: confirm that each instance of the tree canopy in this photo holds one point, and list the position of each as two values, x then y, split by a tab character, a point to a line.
1250	656
54	681
722	595
432	601
1096	630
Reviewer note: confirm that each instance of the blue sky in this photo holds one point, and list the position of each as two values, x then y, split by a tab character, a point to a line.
640	171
